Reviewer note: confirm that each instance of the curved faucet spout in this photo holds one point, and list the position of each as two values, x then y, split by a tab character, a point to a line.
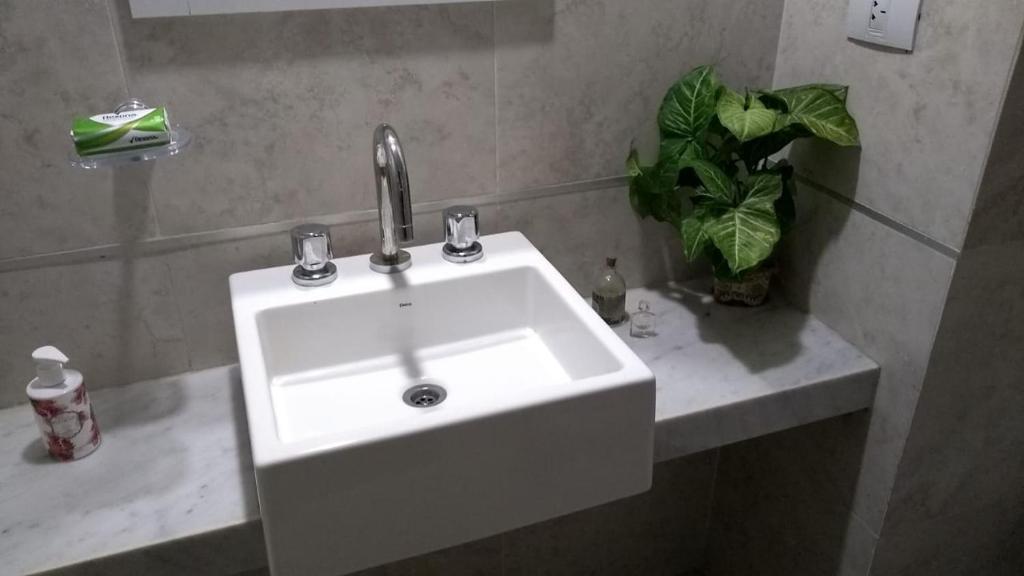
394	205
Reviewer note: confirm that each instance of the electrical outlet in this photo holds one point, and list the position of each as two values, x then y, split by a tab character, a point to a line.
879	17
891	23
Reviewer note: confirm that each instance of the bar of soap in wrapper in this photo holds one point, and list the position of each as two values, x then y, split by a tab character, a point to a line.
113	132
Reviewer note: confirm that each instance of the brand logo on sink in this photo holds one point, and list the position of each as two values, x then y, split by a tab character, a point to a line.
405	304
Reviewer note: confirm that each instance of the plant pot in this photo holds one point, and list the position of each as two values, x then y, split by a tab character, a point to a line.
749	290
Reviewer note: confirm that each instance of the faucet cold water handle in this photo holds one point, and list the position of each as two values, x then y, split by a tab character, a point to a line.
461	226
311	249
461	233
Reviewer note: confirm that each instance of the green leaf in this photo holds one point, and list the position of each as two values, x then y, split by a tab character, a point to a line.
821	110
652	189
837	90
747	234
763	187
689	106
639	196
756	150
667	207
695	238
633	164
780	95
717	187
673	150
746	118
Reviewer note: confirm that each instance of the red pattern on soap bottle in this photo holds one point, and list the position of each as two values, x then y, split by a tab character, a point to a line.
62	449
95	438
47	408
80	397
58	444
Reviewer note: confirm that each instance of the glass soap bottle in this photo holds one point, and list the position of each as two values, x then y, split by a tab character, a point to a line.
609	294
643	322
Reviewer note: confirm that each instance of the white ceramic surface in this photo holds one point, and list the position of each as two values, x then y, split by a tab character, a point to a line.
548	411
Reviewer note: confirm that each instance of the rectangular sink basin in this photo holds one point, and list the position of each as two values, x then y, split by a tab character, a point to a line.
394	415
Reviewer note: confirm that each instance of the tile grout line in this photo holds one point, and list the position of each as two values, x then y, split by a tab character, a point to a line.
895	225
877	537
118	48
494	60
166	244
174	285
891	223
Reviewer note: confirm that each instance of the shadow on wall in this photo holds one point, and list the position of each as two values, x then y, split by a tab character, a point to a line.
664	250
819	220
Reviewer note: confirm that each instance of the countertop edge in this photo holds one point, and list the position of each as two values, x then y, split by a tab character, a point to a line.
684	434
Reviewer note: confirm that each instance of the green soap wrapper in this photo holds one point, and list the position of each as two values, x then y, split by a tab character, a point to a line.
115	132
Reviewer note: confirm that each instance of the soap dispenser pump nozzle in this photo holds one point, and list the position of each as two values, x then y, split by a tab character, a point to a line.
49	365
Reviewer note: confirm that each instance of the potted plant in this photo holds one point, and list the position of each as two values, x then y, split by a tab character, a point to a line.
715	149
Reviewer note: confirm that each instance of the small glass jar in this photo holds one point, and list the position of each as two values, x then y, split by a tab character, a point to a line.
643	323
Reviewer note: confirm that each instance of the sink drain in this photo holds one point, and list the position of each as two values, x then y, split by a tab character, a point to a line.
424	395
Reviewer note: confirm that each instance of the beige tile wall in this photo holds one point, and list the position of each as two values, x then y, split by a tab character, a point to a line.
527	93
48	68
926	118
577	81
501	98
873	257
284	106
958	503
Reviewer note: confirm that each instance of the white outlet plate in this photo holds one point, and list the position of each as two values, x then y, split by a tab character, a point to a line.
891	23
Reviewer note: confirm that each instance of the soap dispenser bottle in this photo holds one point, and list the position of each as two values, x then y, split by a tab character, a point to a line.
62	407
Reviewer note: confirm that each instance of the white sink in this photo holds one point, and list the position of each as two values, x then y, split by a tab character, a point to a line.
547	410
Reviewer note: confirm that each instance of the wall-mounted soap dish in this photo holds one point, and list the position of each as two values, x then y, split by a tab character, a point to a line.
180	139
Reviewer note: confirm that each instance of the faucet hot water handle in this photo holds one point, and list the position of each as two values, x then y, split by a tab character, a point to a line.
311	249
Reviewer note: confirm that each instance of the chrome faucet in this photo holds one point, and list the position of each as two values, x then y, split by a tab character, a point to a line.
394	207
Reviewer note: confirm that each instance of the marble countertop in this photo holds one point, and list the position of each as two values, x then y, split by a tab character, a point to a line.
174	464
726	374
171	489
